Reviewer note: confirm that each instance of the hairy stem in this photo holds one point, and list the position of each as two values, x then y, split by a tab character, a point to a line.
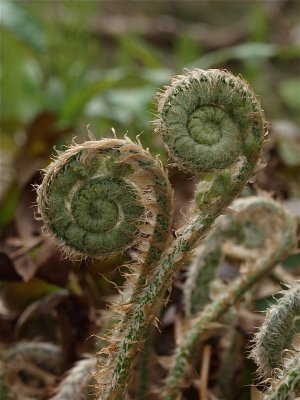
274	351
287	385
75	385
213	311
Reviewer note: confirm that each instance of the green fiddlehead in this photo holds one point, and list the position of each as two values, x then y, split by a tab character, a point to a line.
27	362
279	240
104	197
211	123
287	384
100	198
208	119
273	350
242	240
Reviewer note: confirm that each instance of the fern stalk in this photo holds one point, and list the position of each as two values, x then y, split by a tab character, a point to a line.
285	241
273	349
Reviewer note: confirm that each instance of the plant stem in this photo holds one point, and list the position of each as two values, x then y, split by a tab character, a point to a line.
213	311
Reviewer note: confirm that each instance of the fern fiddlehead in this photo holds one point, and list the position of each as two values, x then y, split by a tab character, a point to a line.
212	124
212	102
30	361
100	197
103	197
276	243
242	239
208	119
275	337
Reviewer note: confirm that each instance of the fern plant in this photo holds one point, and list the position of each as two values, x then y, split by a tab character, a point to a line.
276	349
25	362
260	233
111	195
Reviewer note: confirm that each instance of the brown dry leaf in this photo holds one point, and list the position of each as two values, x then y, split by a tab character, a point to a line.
255	393
27	225
7	269
25	267
41	135
43	306
51	266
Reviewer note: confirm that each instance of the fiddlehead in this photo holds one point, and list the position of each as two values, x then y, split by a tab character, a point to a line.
278	240
28	362
101	197
274	352
208	119
242	240
104	197
211	123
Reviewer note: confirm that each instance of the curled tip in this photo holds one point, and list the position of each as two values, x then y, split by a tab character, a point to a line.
209	119
276	335
93	198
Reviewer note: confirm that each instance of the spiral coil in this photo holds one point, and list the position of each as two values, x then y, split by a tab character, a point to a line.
209	119
100	197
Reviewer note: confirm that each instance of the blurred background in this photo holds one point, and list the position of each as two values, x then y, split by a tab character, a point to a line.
69	64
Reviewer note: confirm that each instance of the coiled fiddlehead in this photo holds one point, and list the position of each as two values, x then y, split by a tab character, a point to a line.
278	240
211	123
208	119
243	239
103	197
273	349
100	197
29	362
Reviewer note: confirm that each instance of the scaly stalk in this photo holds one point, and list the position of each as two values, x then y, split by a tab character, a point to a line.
279	241
274	351
34	359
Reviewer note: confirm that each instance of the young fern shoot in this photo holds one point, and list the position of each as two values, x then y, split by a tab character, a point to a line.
275	352
274	239
199	115
26	362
